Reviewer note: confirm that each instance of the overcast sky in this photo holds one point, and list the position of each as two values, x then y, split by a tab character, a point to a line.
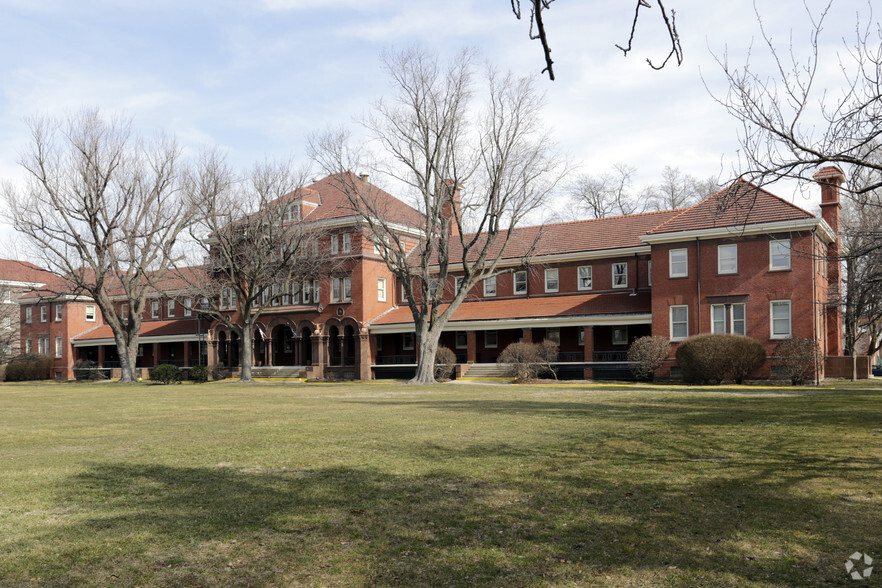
256	77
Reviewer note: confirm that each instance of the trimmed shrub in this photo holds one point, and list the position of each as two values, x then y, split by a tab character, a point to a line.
445	362
166	373
648	353
84	369
529	360
198	374
28	367
796	359
711	358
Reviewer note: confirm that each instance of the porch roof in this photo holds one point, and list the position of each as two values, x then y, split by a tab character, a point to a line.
151	332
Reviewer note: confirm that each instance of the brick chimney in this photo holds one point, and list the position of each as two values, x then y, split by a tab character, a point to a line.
451	205
830	178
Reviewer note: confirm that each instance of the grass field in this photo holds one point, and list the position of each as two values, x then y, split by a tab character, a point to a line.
461	485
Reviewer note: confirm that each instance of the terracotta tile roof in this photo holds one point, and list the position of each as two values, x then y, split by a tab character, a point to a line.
333	203
14	270
148	329
574	237
178	279
541	307
740	204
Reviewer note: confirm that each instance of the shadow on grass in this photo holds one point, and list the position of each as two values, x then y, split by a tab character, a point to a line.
160	525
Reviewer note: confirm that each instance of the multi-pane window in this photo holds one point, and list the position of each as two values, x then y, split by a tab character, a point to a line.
228	299
491	339
28	346
585	277
520	283
341	289
462	340
490	286
679	322
170	309
678	263
728	319
43	312
58	312
90	312
154	309
553	334
43	345
335	244
780	316
727	259
551	282
381	289
59	347
347	243
739	320
718	318
779	254
188	307
620	336
620	275
29	314
311	293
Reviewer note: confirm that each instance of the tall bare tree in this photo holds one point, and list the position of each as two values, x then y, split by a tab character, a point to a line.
102	208
678	190
257	252
607	194
482	171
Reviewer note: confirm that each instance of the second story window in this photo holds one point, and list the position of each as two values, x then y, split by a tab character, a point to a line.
620	275
43	313
125	312
585	277
58	312
335	244
551	282
727	259
779	254
29	314
154	309
188	307
381	289
520	283
490	286
90	312
7	296
679	263
347	243
170	313
341	289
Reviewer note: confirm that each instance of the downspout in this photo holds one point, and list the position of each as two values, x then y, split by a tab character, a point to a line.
698	282
815	304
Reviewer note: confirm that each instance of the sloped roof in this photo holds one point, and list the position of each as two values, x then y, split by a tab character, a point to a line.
541	307
571	237
330	193
177	279
740	204
14	270
148	329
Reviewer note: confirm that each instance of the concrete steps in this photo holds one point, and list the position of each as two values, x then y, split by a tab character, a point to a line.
486	371
279	373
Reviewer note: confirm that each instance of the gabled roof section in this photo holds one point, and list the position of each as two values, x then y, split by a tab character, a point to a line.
13	270
616	232
739	205
328	196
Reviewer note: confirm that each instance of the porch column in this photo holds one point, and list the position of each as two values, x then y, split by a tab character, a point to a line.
472	346
364	355
589	350
155	354
528	335
319	347
212	352
186	354
101	356
268	352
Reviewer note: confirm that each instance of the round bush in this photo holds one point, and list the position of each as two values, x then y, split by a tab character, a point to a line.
445	362
648	353
711	358
198	373
796	359
166	374
32	366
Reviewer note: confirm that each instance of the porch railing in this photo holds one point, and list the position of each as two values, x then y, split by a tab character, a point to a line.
610	356
396	359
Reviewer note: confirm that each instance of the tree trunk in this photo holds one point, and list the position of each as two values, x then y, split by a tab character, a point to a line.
127	361
427	345
246	351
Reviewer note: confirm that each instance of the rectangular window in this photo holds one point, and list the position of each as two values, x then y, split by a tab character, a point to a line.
678	260
649	273
491	339
274	294
780	319
586	277
58	347
43	346
90	312
43	312
347	289
124	311
520	283
347	243
295	293
58	312
553	334
7	323
27	346
679	322
7	296
316	292
727	259
490	286
620	336
462	340
341	289
457	284
581	336
335	289
307	292
188	307
551	282
154	309
407	340
170	309
381	289
335	244
620	275
29	314
739	322
718	318
779	254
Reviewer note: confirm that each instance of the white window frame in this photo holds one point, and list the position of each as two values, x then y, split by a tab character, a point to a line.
59	347
347	243
381	289
519	284
7	323
742	320
58	313
780	304
623	274
585	274
491	339
29	315
347	289
90	313
718	324
7	295
44	313
730	258
124	312
552	279
678	268
335	244
28	345
672	322
490	286
170	308
188	307
777	247
43	345
462	340
336	287
154	309
617	335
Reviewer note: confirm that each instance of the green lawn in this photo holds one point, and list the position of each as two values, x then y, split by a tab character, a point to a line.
463	485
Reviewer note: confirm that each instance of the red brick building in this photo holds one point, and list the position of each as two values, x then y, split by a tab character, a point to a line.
741	261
